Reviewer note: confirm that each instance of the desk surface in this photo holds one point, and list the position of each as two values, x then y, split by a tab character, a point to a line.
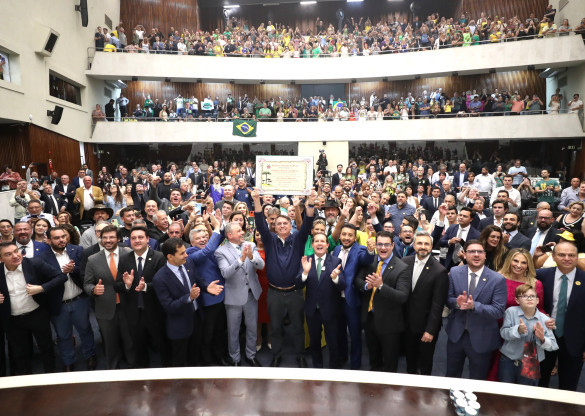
267	391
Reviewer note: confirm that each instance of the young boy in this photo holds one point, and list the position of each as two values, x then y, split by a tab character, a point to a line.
522	324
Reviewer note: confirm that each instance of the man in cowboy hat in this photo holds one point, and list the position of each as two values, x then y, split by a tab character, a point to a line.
98	213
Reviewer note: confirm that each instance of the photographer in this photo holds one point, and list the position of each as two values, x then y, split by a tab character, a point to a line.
322	162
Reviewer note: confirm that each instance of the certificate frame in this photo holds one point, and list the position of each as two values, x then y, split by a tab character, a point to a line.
284	175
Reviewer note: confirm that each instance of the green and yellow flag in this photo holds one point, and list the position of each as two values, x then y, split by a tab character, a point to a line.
244	128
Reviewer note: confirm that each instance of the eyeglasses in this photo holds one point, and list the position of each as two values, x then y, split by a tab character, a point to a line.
475	251
544	218
384	245
527	297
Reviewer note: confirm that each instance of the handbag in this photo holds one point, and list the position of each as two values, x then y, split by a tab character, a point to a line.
530	363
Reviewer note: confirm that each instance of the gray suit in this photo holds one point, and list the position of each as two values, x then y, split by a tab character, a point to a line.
112	322
242	291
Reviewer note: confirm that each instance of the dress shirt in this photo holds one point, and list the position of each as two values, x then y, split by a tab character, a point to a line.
477	274
177	273
116	254
305	276
542	235
71	289
343	254
557	289
485	183
45	216
87	199
20	301
499	222
30	249
463	232
418	268
143	255
512	234
239	250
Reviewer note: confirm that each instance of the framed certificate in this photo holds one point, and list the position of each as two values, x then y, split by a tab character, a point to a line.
284	175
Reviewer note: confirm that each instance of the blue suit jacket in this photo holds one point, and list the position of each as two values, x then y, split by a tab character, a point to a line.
574	328
75	253
174	298
490	303
358	257
458	180
399	248
207	267
323	292
36	272
451	232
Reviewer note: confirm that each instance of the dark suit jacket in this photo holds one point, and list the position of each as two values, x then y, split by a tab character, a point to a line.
551	235
574	334
490	302
451	232
152	262
49	207
358	257
458	179
196	179
428	204
335	179
139	200
75	253
86	254
399	247
323	293
485	222
424	308
174	298
68	196
77	182
389	300
36	272
519	241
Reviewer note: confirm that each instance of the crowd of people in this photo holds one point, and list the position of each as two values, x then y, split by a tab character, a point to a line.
174	260
356	37
433	104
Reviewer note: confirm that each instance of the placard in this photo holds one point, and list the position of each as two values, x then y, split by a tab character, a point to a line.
284	175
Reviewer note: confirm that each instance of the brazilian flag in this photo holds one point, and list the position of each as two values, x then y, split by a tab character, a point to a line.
244	128
338	105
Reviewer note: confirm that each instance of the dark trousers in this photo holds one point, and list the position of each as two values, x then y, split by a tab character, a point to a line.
383	347
281	304
569	367
214	343
150	333
117	339
479	363
2	353
187	351
351	320
419	355
315	323
20	332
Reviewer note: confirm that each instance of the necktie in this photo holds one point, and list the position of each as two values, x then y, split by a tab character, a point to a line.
535	241
457	248
55	208
562	307
435	202
319	269
114	271
378	271
140	294
23	251
405	251
472	284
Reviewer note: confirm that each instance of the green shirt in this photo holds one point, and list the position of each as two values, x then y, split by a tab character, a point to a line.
309	245
549	194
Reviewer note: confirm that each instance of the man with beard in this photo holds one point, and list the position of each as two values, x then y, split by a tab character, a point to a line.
512	237
353	256
544	232
403	241
173	205
430	285
400	210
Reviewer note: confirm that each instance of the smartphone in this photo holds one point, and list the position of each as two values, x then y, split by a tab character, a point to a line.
546	248
251	222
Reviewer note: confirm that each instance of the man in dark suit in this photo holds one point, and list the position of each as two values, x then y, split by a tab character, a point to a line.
139	196
73	303
456	235
138	302
512	237
25	307
66	191
544	232
477	299
499	209
430	284
529	221
403	241
353	257
196	178
323	278
78	180
433	203
101	272
460	176
564	301
23	238
337	176
177	286
54	204
385	285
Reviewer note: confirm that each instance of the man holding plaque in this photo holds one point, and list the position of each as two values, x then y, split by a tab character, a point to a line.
283	256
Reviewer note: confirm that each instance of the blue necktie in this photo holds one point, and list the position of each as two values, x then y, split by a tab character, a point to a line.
186	283
562	307
140	294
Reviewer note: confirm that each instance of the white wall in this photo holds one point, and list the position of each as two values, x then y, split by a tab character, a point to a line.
542	53
477	128
24	24
574	11
336	152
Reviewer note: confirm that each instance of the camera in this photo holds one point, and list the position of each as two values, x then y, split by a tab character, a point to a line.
321	150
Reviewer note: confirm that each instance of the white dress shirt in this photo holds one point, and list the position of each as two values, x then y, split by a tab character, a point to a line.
88	199
418	268
71	289
29	248
20	301
143	255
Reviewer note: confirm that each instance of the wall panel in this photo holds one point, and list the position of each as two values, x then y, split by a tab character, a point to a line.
502	8
179	14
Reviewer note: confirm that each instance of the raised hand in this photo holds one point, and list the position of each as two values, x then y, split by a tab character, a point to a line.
99	288
374	280
371	243
128	278
1	298
522	329
335	272
539	331
141	285
214	288
194	292
306	263
462	299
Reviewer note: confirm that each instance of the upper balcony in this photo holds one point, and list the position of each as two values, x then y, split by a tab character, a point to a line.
521	127
554	52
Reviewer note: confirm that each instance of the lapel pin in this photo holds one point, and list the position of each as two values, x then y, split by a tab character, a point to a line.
149	259
427	267
484	279
578	283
